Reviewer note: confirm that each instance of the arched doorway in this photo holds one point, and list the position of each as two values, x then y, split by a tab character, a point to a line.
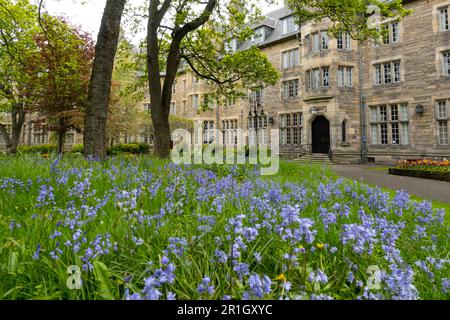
320	128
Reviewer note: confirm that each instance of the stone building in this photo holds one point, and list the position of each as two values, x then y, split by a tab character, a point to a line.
317	106
399	108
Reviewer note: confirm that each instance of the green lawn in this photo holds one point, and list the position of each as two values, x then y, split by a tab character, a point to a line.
141	228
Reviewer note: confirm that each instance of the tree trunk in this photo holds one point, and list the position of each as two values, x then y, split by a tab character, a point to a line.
95	135
163	137
17	121
60	143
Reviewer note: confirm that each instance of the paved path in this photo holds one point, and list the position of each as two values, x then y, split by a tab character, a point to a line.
428	189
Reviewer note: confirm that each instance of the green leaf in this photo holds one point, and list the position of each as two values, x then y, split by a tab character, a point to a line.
13	261
102	274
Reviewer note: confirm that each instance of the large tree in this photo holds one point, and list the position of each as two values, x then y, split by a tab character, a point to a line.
18	24
58	74
198	32
95	123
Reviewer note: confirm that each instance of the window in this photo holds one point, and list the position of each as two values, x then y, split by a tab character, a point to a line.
184	105
174	90
324	40
443	19
392	129
316	43
194	101
291	58
446	63
184	84
173	108
443	118
345	77
259	35
256	96
378	74
289	25
208	132
229	132
325	77
291	126
231	46
391	32
308	43
387	72
260	123
317	78
70	138
320	41
8	131
147	108
290	89
344	41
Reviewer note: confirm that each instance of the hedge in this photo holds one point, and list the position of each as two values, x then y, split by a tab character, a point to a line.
424	174
43	148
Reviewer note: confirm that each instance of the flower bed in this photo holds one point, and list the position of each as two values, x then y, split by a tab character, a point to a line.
140	229
427	169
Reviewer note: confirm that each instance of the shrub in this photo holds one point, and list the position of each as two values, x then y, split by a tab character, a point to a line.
133	148
43	149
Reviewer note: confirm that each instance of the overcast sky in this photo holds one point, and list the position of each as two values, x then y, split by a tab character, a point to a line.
88	13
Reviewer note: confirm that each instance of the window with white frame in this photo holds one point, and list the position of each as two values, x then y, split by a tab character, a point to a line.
289	25
8	132
231	46
194	101
290	88
391	32
70	137
389	124
208	132
443	119
344	41
324	40
184	105
345	77
173	108
446	63
147	108
184	84
291	127
291	58
256	96
174	87
443	19
229	132
260	123
259	35
317	78
319	41
387	72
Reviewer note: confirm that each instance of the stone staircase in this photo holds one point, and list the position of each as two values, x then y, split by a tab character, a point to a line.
315	158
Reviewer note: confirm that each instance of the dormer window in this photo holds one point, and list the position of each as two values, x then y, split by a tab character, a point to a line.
259	35
231	46
289	25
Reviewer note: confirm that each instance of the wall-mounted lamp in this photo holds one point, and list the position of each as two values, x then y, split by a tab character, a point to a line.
420	109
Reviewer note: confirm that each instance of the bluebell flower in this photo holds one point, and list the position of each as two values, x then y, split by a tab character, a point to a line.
204	287
37	252
241	269
319	276
171	296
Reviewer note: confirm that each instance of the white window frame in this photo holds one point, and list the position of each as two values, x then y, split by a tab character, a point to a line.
444	23
288	25
290	58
